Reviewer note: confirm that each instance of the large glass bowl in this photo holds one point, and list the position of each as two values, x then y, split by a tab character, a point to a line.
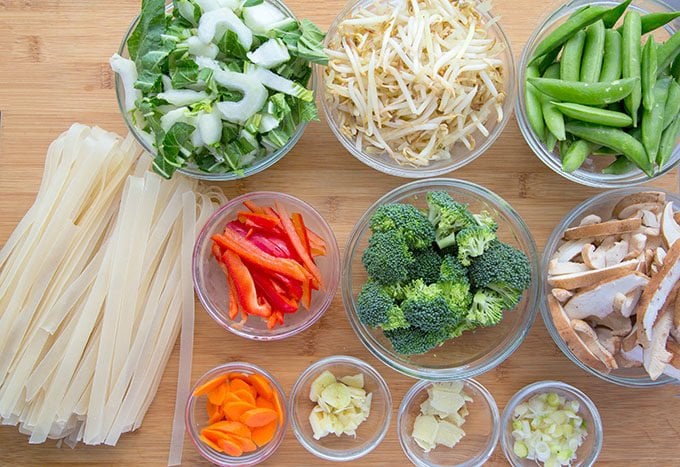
590	172
474	352
191	170
601	205
460	155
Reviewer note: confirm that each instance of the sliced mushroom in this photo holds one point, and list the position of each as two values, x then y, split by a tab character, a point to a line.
657	291
618	301
676	216
655	355
637	242
630	341
669	227
562	295
585	279
643	197
650	219
619	324
568	250
608	340
674	349
555	268
589	337
602	229
637	210
631	358
616	253
628	306
598	300
571	338
675	330
591	259
591	219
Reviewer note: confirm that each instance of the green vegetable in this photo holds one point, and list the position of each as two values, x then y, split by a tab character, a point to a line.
648	73
672	106
426	266
652	119
668	51
668	142
631	62
611	62
593	53
575	155
452	270
426	308
652	21
387	258
472	241
487	220
413	225
554	120
532	101
620	166
612	16
675	68
487	308
570	62
413	341
375	306
547	61
586	93
448	217
597	115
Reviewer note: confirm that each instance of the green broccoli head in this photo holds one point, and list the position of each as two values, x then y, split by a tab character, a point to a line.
413	341
376	308
408	220
387	258
487	308
451	270
426	308
426	266
395	319
396	291
458	297
472	241
448	217
504	269
486	219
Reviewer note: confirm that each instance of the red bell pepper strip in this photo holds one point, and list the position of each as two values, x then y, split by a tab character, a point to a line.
271	322
316	243
274	294
260	220
253	207
217	252
279	316
306	298
233	296
297	244
245	287
272	246
301	231
247	251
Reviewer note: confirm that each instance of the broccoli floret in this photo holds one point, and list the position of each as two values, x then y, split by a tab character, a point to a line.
460	328
396	291
387	258
487	308
413	341
451	270
376	308
448	217
426	307
407	220
458	297
395	319
426	266
504	269
472	241
484	218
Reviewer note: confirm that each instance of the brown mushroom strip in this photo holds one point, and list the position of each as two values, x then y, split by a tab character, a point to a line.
669	227
655	355
588	336
603	229
598	299
658	197
585	279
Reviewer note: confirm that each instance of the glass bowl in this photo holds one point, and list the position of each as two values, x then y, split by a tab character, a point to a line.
211	287
191	170
587	453
196	418
460	155
482	429
601	205
473	352
590	172
369	434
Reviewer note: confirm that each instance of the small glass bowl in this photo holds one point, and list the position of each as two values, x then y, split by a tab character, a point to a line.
587	453
196	418
474	352
191	170
211	286
482	429
589	173
460	155
601	205
369	434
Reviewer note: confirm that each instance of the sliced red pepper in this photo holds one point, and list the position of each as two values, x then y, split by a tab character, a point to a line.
297	244
301	231
274	294
217	251
252	206
234	242
271	322
306	298
279	316
272	246
233	297
316	243
245	287
264	221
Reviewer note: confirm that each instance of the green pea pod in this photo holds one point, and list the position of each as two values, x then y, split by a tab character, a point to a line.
554	120
675	68
550	141
586	93
652	21
672	108
648	73
668	142
652	119
631	62
547	61
564	147
532	100
667	52
611	62
614	138
570	62
575	156
596	115
593	52
564	31
620	166
605	151
612	16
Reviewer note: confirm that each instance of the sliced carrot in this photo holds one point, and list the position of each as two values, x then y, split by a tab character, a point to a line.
209	386
261	385
238	383
246	444
230	447
231	397
259	417
216	416
217	395
238	375
213	435
210	443
264	434
245	396
234	410
211	408
278	406
231	427
263	403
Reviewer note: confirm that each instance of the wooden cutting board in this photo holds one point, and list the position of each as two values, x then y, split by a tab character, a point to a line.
54	71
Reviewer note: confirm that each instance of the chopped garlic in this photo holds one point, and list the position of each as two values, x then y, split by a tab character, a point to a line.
441	416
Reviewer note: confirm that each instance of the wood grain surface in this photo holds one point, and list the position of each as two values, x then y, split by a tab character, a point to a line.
54	71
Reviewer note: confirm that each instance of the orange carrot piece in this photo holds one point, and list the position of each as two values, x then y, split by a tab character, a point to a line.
239	383
261	385
231	397
238	375
263	403
217	395
209	386
234	410
231	427
210	443
230	447
245	396
264	434
278	406
247	445
216	416
259	417
211	408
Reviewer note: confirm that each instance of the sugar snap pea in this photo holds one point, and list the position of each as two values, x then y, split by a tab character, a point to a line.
652	119
675	68
605	151
668	142
667	52
648	73
614	138
550	141
586	93
532	100
612	16
547	60
570	62
593	52
564	31
589	114
575	155
564	146
631	62
620	166
672	107
554	120
652	21
611	62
